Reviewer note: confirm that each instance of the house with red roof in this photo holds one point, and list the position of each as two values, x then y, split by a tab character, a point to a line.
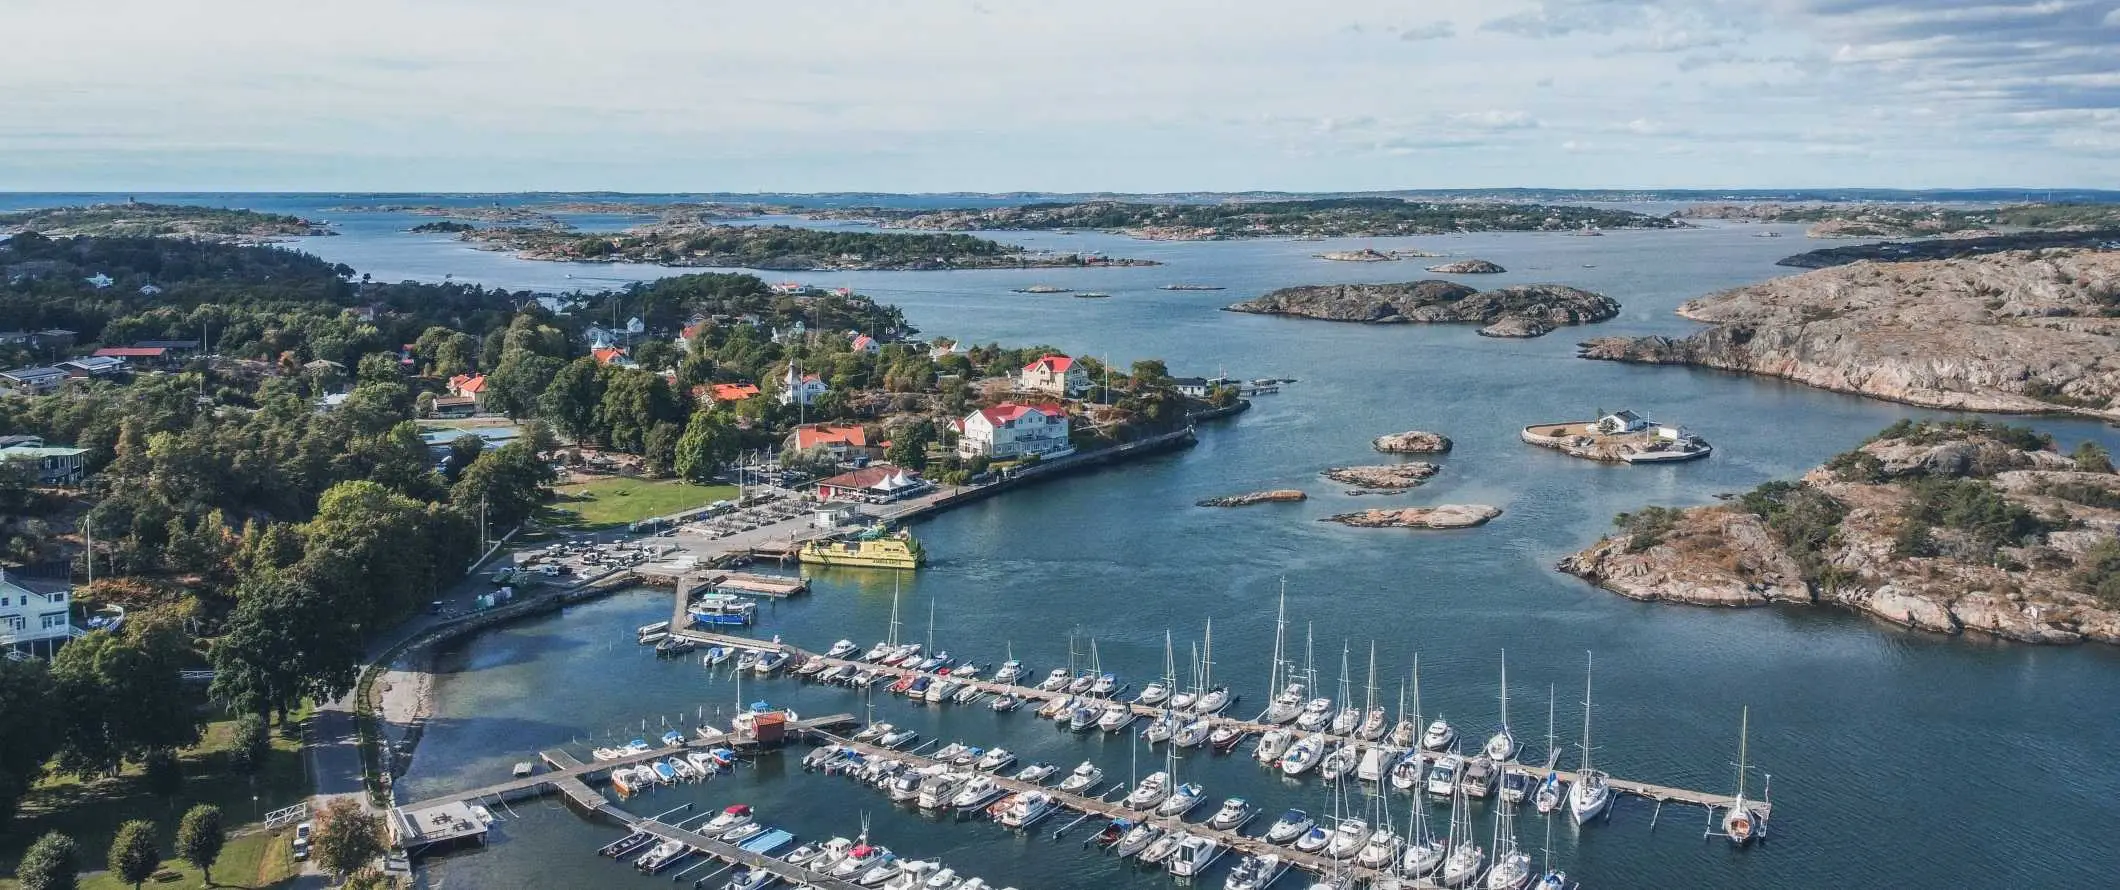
615	356
136	356
1055	374
468	386
1008	430
866	343
732	392
843	440
797	388
873	484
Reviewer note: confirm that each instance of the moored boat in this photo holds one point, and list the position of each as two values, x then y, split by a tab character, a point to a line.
1291	825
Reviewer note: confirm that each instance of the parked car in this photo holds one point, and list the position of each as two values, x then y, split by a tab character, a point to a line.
301	841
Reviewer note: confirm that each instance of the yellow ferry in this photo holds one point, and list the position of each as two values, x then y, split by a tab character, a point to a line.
876	548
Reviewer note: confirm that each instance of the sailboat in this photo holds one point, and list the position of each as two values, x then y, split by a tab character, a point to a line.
1406	731
1317	712
1742	822
1010	670
1212	698
1512	866
1372	726
1461	865
1288	701
1590	794
890	643
1550	791
1349	716
1182	699
1423	853
1502	747
1553	880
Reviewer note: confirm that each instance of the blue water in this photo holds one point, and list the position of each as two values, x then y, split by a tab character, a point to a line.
1898	759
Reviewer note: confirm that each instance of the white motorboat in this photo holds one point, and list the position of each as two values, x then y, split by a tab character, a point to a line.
842	649
1055	681
1316	715
1313	840
880	872
897	738
1194	854
1272	745
730	817
862	678
1381	850
1286	706
913	875
1150	792
944	879
938	790
873	732
1009	672
1104	685
1155	693
1116	716
1234	814
819	757
1084	718
1373	764
703	761
968	694
751	879
1136	839
843	673
1291	825
1027	809
1160	730
1183	799
1227	737
905	786
1036	772
1443	776
1059	707
1303	755
830	854
1406	771
1554	880
1255	872
1003	704
803	854
950	752
977	793
998	758
942	689
858	861
901	655
1082	778
1478	780
1081	685
1162	849
1348	839
878	651
1440	735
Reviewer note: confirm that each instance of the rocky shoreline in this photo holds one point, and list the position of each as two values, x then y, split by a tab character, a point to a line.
1390	477
1446	516
2025	332
1932	527
1524	310
1468	267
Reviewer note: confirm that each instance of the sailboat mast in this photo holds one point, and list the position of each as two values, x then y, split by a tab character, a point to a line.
1371	704
1207	657
931	628
1589	659
1310	664
1505	690
1551	758
893	641
1417	689
1280	629
1744	739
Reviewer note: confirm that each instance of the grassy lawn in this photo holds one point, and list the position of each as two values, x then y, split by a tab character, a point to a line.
251	861
90	811
621	500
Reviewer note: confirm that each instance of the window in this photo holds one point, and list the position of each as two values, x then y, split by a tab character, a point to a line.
17	622
56	619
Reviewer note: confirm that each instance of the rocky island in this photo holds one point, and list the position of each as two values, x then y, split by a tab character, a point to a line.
780	248
135	220
1390	477
1446	516
1279	495
1468	267
2025	332
1524	310
1355	217
1871	220
1412	442
1947	527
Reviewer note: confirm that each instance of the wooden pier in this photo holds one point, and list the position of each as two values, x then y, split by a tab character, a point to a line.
794	875
1652	791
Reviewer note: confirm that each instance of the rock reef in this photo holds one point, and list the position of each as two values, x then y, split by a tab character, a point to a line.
1446	516
1525	307
1468	267
1392	477
1257	497
2024	332
1412	442
1941	528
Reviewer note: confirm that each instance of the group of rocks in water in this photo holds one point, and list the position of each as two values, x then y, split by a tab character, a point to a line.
1384	479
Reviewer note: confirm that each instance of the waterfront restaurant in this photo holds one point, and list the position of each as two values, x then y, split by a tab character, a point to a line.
875	484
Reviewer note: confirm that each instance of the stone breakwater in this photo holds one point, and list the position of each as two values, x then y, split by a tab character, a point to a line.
1524	310
2024	332
1446	516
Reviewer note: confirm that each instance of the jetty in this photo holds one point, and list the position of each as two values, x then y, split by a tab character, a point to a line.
1650	790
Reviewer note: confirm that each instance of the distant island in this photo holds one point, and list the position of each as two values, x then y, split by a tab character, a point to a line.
1524	310
448	226
1313	218
780	248
2024	332
1947	527
135	220
1832	220
1952	248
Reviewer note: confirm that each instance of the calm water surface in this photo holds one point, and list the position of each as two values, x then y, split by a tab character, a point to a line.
1898	759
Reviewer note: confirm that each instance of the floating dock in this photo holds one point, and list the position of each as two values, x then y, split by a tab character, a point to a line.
1652	791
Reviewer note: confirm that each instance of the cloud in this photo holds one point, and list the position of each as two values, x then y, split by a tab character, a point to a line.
1494	120
1562	18
1430	31
2112	19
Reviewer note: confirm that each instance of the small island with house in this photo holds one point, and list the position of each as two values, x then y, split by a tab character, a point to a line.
1620	437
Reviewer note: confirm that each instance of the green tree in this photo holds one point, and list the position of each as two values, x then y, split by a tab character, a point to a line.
447	352
521	379
909	445
251	743
283	641
708	442
463	451
26	709
660	448
134	854
510	480
633	403
52	863
346	838
571	401
123	696
366	553
2091	458
164	773
200	837
655	355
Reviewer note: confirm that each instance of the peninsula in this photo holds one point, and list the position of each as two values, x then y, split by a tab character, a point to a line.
1355	217
2024	332
780	248
1946	527
1524	310
135	220
1836	220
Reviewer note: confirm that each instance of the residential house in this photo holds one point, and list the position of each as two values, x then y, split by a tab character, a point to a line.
32	620
32	381
439	441
323	366
149	290
1622	422
100	281
600	337
942	349
455	406
49	464
614	356
844	441
177	348
1195	387
1056	374
873	484
866	343
92	366
1007	431
136	356
797	388
468	386
732	392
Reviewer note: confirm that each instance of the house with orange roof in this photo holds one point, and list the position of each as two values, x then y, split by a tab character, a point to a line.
732	392
866	343
843	440
1009	430
1056	374
615	356
468	386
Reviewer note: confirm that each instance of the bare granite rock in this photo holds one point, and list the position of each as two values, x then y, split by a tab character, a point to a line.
1468	267
1412	442
1391	476
1516	327
1437	302
1256	497
1445	516
2029	590
2025	331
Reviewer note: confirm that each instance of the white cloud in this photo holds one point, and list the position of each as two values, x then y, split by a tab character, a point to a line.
1430	31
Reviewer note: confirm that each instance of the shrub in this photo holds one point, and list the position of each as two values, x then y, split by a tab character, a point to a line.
1647	527
2100	574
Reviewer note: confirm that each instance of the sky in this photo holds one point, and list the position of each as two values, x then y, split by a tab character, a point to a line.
1076	95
